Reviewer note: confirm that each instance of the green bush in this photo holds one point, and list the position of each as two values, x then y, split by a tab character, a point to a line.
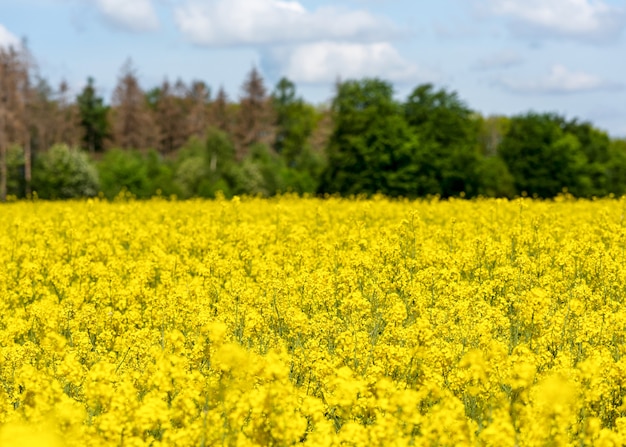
205	167
119	170
142	175
64	173
495	178
16	184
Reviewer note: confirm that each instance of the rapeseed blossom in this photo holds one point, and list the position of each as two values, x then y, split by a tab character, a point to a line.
301	321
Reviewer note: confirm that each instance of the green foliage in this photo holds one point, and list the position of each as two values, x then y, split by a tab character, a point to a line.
432	144
595	144
205	167
441	117
448	131
160	175
122	170
371	148
495	178
616	168
295	121
191	176
544	158
260	173
64	173
303	176
93	118
142	175
16	185
428	146
219	150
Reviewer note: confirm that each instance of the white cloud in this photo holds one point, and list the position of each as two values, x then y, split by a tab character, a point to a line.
7	39
583	19
502	59
252	22
324	62
560	80
130	15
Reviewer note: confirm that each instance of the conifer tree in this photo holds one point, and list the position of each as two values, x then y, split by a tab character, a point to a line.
133	126
255	114
14	82
94	118
295	121
220	113
198	99
171	116
67	129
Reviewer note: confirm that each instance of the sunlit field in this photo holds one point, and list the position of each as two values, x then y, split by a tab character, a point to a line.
313	322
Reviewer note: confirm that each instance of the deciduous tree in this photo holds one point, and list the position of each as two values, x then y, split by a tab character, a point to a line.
371	148
543	157
447	131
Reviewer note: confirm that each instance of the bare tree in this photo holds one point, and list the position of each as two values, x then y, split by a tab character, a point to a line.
254	120
42	113
198	102
220	112
133	126
4	102
67	129
171	116
14	88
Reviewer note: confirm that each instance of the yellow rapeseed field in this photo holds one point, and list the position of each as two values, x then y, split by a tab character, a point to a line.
291	321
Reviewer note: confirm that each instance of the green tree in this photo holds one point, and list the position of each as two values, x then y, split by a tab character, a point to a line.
260	173
16	182
93	118
441	117
122	170
616	168
595	144
495	178
448	154
220	156
64	173
543	158
295	121
143	175
204	167
371	148
160	175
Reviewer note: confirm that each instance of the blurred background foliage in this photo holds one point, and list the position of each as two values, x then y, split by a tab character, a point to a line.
180	140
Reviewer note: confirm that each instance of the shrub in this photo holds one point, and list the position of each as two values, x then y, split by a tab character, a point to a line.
64	173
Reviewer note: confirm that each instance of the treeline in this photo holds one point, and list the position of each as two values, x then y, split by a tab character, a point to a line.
433	144
180	139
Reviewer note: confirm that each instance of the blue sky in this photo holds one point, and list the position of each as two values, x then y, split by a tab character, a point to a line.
501	56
